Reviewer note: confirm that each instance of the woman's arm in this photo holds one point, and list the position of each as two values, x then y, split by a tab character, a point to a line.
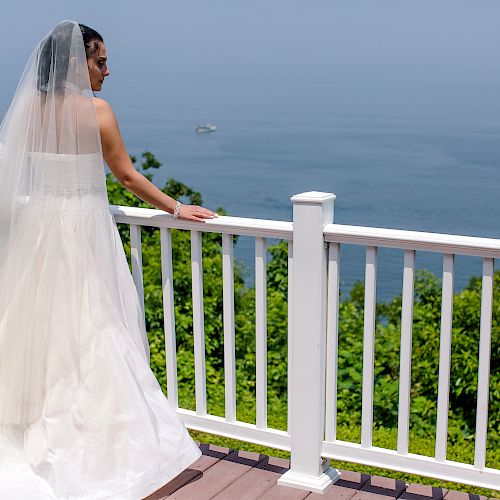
118	160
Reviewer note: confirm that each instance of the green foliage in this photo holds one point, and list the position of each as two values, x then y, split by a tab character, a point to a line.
425	341
464	355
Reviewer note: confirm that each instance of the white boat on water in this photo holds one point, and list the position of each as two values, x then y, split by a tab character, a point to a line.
209	127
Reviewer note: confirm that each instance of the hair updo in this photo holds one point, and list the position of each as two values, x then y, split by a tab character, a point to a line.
54	53
91	39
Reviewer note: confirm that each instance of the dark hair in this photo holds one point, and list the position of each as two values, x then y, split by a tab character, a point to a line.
91	39
54	60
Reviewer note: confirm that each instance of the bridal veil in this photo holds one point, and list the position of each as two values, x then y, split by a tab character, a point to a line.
52	200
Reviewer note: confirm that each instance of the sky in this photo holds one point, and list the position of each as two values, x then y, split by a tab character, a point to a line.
368	43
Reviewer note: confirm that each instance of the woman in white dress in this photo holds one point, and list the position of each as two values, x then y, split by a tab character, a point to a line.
82	415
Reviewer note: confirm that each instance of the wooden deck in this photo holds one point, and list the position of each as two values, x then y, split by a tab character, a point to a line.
226	474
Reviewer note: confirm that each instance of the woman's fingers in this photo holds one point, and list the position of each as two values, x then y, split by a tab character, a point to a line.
205	212
197	215
194	212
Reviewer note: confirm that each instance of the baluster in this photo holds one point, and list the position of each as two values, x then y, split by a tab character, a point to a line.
289	334
405	352
332	336
261	331
198	323
483	379
136	258
169	315
369	346
444	358
229	339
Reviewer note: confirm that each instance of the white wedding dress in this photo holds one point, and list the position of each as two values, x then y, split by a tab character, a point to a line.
82	416
98	425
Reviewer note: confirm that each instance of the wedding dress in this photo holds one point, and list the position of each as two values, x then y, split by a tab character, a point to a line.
82	416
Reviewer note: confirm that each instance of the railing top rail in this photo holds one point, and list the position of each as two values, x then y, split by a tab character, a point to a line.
223	224
413	240
339	233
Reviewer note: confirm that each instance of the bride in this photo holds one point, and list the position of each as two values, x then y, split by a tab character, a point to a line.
82	415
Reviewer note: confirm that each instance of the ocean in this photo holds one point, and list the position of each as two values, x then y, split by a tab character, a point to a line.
409	156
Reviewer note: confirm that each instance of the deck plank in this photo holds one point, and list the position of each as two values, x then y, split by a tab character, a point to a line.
211	455
175	484
250	486
384	486
423	492
367	495
279	492
219	476
352	480
334	492
460	495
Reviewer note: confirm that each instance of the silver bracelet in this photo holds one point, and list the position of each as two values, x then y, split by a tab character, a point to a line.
177	209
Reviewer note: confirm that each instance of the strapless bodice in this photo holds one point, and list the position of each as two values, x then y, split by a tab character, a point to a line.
67	174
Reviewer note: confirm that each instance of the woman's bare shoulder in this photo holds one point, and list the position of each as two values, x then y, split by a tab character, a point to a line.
105	115
102	106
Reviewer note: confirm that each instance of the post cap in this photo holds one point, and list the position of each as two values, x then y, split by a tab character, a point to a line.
312	197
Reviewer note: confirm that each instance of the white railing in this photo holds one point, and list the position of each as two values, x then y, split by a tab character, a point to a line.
410	241
314	270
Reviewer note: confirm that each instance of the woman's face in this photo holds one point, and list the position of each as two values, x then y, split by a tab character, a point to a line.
97	64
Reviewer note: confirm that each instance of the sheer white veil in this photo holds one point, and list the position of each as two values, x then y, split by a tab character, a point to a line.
64	279
52	112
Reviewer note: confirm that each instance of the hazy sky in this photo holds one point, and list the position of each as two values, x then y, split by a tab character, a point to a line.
361	42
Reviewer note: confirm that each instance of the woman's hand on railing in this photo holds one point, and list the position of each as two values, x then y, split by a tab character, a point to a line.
194	212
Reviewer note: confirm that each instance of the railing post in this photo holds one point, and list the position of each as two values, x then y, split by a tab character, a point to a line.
308	471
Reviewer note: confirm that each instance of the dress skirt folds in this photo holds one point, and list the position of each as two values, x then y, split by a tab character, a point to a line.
82	415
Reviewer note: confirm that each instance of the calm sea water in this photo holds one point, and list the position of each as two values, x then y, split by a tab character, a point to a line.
398	156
